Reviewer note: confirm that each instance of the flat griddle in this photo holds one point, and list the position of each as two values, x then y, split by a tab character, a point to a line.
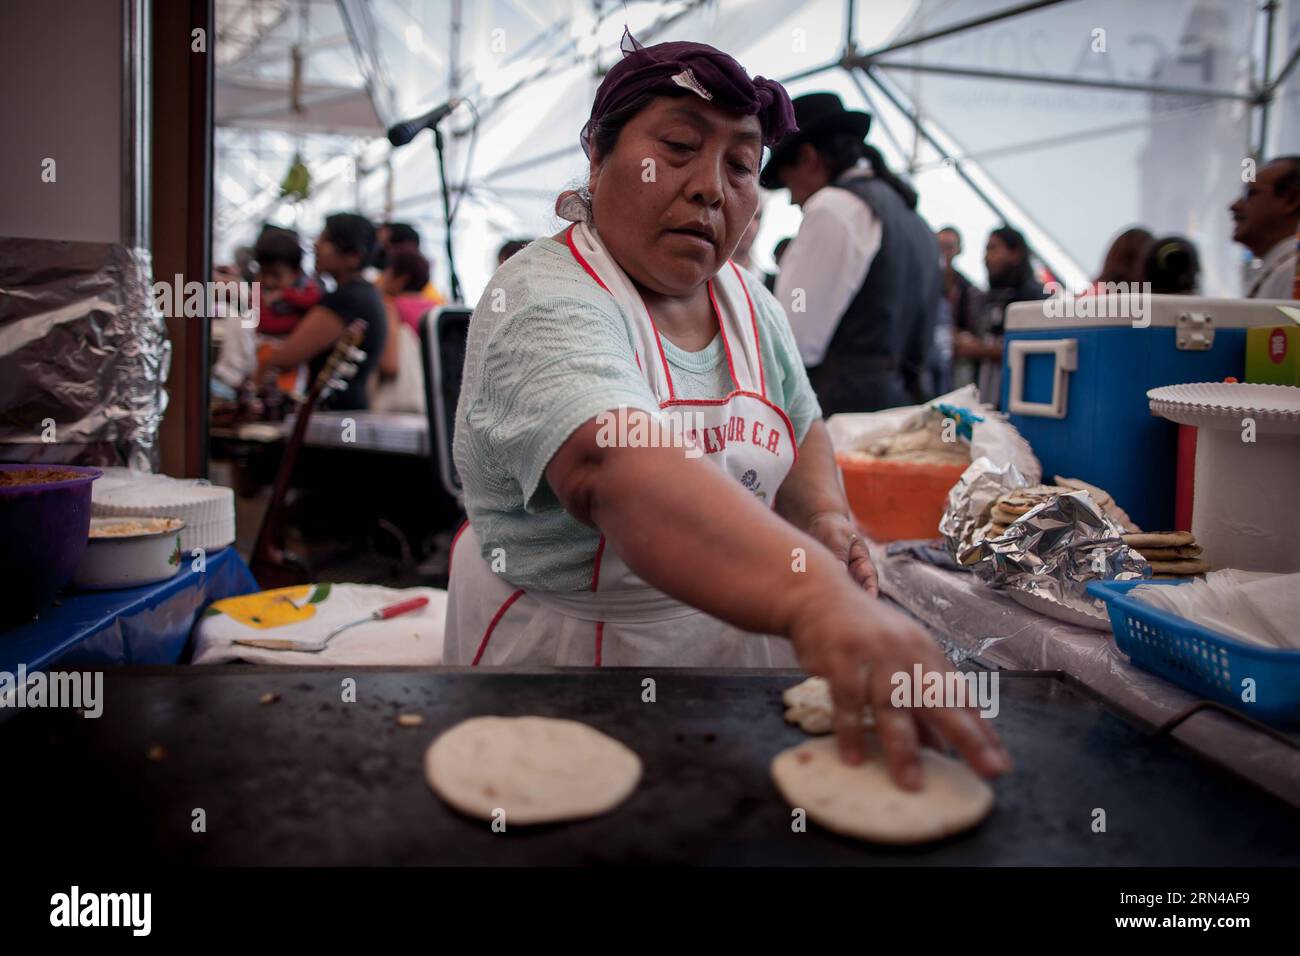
310	780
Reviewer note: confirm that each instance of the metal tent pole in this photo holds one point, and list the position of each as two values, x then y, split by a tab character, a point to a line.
1265	102
966	178
870	61
966	25
889	134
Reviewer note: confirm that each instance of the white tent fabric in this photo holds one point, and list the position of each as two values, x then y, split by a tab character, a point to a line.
1070	165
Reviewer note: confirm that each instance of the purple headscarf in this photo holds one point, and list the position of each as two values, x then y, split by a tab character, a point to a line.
699	68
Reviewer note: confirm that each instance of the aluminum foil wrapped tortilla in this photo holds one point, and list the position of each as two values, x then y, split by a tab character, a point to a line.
1045	557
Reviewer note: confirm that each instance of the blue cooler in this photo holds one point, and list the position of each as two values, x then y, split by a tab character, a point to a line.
1076	388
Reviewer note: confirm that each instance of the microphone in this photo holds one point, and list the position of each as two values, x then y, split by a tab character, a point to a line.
403	133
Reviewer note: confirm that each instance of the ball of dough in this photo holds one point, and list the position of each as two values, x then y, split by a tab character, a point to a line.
808	704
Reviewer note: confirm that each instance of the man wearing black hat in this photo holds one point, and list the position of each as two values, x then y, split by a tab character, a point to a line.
860	283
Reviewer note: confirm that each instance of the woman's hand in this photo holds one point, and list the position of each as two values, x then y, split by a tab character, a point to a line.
858	644
691	530
840	534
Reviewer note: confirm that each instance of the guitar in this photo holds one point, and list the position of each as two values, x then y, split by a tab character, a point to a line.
272	566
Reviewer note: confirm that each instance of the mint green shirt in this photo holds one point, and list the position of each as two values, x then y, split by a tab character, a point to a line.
548	351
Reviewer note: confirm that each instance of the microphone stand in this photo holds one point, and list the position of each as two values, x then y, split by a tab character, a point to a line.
446	214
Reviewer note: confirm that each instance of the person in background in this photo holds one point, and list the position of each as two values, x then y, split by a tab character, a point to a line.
962	295
1172	266
978	349
401	284
958	304
389	237
1266	218
286	291
343	248
509	248
245	263
778	250
392	237
858	282
401	375
1125	261
285	294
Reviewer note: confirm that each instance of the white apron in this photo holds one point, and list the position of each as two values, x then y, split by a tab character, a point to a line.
620	620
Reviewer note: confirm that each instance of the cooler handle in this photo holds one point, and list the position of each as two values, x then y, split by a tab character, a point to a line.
1066	352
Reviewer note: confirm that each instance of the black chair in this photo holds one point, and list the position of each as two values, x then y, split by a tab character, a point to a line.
444	333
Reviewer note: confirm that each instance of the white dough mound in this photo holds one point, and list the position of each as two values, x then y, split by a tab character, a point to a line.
808	704
864	802
535	769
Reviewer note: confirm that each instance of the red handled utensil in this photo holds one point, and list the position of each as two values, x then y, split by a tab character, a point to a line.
315	647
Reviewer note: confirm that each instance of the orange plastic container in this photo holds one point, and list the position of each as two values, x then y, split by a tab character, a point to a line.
896	500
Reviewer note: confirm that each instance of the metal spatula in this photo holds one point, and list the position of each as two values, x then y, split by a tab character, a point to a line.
315	647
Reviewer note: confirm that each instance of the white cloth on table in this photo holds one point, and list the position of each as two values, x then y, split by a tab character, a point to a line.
310	612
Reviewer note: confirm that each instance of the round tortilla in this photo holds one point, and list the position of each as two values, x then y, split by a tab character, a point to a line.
1159	539
535	769
865	803
1189	566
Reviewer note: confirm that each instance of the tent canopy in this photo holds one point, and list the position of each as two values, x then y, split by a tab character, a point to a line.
1070	119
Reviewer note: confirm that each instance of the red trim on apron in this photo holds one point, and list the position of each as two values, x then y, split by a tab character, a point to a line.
753	317
672	392
568	238
501	611
722	330
595	567
452	552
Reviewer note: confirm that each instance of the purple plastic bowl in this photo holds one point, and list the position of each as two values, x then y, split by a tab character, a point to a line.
44	530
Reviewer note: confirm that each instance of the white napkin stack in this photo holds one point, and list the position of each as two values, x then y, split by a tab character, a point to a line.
1253	606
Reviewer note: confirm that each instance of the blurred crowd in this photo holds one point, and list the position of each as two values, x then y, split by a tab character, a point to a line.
881	314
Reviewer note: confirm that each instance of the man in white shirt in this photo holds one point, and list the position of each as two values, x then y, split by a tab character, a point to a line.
1267	217
860	281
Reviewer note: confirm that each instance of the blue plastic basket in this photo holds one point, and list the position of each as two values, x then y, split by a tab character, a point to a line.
1205	662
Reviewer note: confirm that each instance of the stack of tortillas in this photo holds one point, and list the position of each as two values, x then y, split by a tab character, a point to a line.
1014	504
1171	554
809	705
864	802
1108	505
525	770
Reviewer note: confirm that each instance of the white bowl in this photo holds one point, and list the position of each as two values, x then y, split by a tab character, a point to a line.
128	552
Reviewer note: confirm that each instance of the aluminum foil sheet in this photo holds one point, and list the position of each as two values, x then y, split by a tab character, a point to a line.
84	354
1050	553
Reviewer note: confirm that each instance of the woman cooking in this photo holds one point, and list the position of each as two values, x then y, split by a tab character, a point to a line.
592	545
